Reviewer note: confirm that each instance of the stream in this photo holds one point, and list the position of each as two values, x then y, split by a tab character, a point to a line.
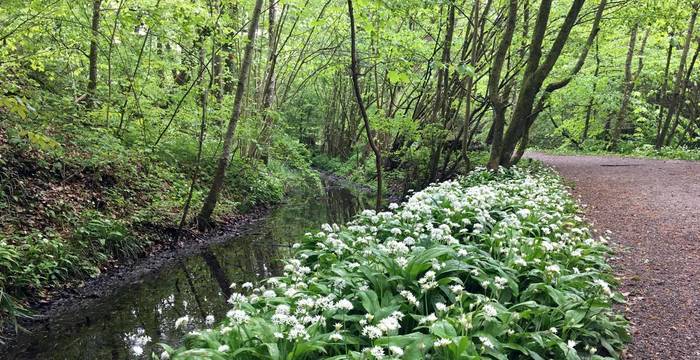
196	286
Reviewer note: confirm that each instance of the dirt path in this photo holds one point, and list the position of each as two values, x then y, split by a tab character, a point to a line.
652	208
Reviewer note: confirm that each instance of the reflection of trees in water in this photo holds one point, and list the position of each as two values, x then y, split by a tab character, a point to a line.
342	204
217	272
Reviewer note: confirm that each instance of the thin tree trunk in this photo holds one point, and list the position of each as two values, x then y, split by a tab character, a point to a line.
109	62
470	82
92	70
589	107
626	92
360	104
441	96
688	73
661	96
204	217
200	143
270	81
679	81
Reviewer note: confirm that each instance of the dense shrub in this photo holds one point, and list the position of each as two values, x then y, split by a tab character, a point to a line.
491	265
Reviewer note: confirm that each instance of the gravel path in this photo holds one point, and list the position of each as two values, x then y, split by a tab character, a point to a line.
652	208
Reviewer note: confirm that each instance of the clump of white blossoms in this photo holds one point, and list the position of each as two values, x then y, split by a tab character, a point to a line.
474	263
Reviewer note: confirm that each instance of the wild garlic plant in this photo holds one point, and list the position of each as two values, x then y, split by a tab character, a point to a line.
493	265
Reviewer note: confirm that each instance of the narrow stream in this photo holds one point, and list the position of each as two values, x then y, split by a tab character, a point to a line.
197	286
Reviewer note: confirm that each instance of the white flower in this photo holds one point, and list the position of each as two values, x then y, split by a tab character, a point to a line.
571	344
553	268
209	320
164	355
523	213
336	337
428	319
237	317
397	351
182	322
388	324
440	307
410	297
298	331
457	289
137	350
486	342
236	298
604	285
442	342
247	285
500	282
377	352
489	311
344	304
372	332
224	348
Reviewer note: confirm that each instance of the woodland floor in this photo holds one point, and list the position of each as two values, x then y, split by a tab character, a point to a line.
652	208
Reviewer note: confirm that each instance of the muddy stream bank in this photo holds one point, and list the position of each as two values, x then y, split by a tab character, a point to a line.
148	300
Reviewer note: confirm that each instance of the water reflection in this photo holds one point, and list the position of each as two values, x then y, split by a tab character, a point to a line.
197	286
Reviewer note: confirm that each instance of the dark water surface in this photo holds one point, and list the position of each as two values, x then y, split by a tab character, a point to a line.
197	286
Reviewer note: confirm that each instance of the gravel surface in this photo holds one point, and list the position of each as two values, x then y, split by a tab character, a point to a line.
652	208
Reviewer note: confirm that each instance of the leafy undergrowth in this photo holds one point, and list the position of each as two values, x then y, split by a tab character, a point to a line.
488	266
74	200
644	151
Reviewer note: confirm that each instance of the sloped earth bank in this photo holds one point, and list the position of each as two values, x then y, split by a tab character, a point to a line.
652	208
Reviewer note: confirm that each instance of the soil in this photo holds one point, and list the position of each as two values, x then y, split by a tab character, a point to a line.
652	209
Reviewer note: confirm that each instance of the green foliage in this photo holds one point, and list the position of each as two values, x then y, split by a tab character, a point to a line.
103	239
644	151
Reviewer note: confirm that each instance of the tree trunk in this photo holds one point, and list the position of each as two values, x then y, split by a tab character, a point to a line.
681	101
661	96
549	89
535	74
679	81
470	82
626	92
109	63
498	101
589	107
270	81
441	95
92	70
204	217
354	71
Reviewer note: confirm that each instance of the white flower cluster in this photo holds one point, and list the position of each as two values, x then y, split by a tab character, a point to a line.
456	260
